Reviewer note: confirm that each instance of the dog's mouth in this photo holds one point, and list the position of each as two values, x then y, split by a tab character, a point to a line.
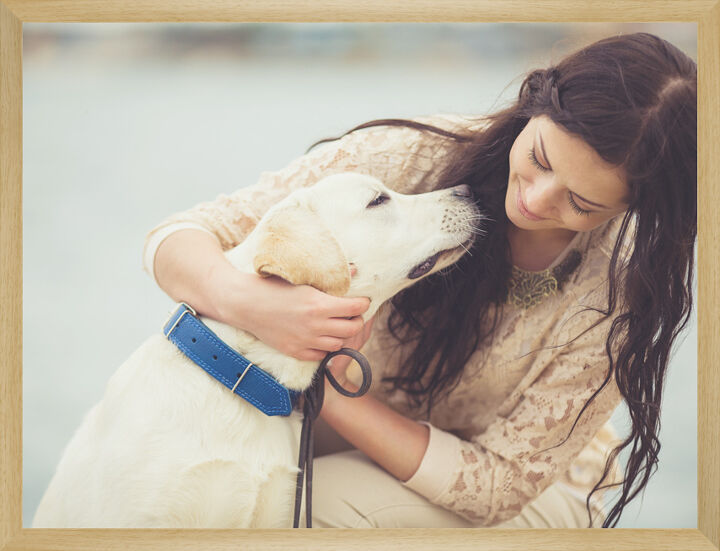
429	263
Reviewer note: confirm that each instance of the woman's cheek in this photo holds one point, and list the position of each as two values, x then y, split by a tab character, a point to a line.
586	223
582	226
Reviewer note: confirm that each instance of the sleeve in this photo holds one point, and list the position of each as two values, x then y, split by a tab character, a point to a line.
489	479
401	157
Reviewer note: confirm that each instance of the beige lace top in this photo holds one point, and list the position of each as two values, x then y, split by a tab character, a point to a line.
518	396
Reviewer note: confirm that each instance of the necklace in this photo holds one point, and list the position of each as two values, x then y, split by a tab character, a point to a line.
526	289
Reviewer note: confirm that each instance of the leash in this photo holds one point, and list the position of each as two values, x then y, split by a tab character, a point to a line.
313	401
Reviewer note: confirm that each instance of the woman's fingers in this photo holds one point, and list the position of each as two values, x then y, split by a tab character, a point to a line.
343	328
325	344
367	329
311	355
357	341
329	344
343	307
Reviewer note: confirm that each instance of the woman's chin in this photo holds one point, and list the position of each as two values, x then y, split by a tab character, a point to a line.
520	222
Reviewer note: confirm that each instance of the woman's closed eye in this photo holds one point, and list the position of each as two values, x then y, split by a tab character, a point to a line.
576	207
578	210
533	158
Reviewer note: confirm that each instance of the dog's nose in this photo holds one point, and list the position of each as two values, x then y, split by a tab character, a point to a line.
464	191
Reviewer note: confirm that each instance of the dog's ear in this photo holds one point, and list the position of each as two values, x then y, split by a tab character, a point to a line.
295	245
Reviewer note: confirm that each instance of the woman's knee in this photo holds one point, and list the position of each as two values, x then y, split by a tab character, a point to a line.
336	488
351	491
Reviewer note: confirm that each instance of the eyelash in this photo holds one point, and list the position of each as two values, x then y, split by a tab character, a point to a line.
379	200
573	204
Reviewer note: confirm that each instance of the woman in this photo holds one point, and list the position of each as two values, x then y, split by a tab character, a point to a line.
493	381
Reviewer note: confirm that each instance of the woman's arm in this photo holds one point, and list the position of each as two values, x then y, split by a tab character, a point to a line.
184	262
393	441
300	321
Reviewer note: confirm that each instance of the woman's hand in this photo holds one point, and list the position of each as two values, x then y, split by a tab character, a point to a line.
297	320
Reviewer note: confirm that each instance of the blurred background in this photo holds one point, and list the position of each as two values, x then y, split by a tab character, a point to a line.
125	124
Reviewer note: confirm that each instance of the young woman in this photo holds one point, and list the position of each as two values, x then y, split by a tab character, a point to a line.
494	381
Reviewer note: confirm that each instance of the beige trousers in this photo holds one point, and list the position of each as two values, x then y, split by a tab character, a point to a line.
351	491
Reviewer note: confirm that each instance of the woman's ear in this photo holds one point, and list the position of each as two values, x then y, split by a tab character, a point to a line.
294	244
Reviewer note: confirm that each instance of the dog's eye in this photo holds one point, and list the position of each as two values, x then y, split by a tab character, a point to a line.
379	200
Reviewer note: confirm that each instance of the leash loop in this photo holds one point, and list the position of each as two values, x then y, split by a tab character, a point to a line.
313	401
364	366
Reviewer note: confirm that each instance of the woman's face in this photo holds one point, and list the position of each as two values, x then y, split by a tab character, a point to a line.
557	181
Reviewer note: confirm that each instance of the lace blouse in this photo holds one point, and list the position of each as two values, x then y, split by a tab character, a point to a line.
495	441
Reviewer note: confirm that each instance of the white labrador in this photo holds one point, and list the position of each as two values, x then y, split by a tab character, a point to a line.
169	446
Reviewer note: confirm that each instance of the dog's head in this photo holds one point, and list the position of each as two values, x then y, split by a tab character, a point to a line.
351	235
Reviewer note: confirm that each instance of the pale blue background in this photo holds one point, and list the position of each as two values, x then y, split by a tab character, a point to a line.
126	124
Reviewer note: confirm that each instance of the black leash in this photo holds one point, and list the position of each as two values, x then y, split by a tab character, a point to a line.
313	398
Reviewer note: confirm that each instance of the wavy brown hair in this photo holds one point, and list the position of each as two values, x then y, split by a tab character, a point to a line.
632	98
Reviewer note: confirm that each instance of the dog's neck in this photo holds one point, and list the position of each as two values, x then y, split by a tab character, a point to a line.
290	372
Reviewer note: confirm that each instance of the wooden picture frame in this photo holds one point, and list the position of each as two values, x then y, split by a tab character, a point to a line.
13	13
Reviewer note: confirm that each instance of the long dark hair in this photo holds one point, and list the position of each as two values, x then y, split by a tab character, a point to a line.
632	98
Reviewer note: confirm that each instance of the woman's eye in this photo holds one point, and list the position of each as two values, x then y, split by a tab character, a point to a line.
576	207
533	158
379	200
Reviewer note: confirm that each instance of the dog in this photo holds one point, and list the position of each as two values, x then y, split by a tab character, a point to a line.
168	446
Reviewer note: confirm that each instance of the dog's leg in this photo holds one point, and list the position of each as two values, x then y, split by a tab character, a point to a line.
212	494
276	500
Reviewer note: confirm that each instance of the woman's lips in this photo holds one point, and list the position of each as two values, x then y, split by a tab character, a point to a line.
524	211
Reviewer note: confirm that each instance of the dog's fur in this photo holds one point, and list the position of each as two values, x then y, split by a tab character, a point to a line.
168	446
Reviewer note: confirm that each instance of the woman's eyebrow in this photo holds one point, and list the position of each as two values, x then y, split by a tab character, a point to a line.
542	148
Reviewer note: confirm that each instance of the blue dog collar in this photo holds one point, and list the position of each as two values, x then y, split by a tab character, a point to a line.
242	377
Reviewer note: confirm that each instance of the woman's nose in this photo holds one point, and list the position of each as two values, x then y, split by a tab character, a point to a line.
541	198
